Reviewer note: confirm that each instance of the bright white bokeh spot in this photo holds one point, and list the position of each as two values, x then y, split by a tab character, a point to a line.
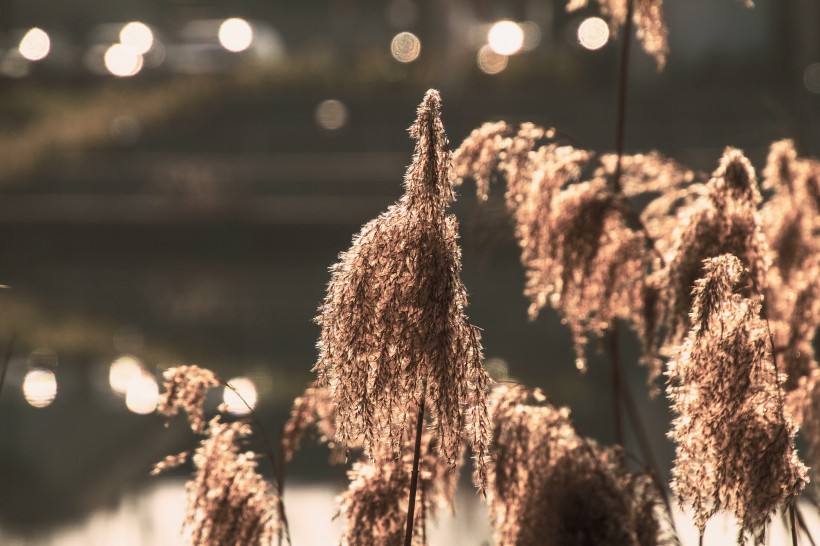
138	36
489	61
593	33
142	395
235	34
331	114
811	77
122	60
505	38
405	47
35	45
40	387
246	389
124	371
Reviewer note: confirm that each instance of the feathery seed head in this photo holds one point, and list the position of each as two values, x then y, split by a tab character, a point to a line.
185	388
393	322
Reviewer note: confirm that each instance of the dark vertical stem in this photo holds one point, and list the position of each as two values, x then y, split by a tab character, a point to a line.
700	538
414	477
801	521
792	523
623	78
6	359
615	361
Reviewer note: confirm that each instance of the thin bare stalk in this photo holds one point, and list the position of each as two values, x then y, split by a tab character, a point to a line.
414	477
801	521
615	361
6	359
623	77
792	524
278	470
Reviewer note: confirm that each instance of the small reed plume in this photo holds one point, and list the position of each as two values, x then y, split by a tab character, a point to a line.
313	409
647	16
578	247
722	220
549	486
374	507
735	444
229	502
393	324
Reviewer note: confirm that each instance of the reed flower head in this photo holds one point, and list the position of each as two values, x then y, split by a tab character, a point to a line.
722	220
314	408
393	322
229	503
185	388
735	444
374	507
549	486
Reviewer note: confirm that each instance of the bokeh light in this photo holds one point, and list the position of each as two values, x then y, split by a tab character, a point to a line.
505	37
123	60
811	77
489	61
331	114
246	390
138	36
405	47
593	33
124	371
142	395
235	34
35	45
532	35
40	387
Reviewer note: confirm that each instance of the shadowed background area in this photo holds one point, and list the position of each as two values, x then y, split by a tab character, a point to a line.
173	190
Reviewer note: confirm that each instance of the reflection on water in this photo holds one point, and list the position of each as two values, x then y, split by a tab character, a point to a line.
153	517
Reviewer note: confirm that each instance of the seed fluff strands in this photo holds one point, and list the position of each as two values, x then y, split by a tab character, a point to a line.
548	486
648	18
735	444
374	507
313	408
185	389
723	220
578	251
393	319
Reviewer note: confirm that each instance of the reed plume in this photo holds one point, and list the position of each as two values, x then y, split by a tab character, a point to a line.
579	250
393	326
723	219
374	507
735	444
228	502
313	409
549	486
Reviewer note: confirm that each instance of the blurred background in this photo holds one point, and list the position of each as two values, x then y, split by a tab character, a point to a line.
176	176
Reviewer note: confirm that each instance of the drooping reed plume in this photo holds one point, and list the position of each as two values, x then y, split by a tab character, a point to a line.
229	502
394	331
735	443
723	219
647	16
580	251
549	486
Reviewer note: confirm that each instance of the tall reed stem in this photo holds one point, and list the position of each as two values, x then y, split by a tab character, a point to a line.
617	381
414	477
6	359
793	524
623	79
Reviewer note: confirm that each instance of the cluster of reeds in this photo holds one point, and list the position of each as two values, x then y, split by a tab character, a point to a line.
718	280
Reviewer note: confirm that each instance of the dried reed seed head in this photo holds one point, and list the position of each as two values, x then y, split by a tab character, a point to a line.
314	408
646	173
550	486
803	404
735	444
393	322
185	388
169	462
648	18
229	503
723	220
375	505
